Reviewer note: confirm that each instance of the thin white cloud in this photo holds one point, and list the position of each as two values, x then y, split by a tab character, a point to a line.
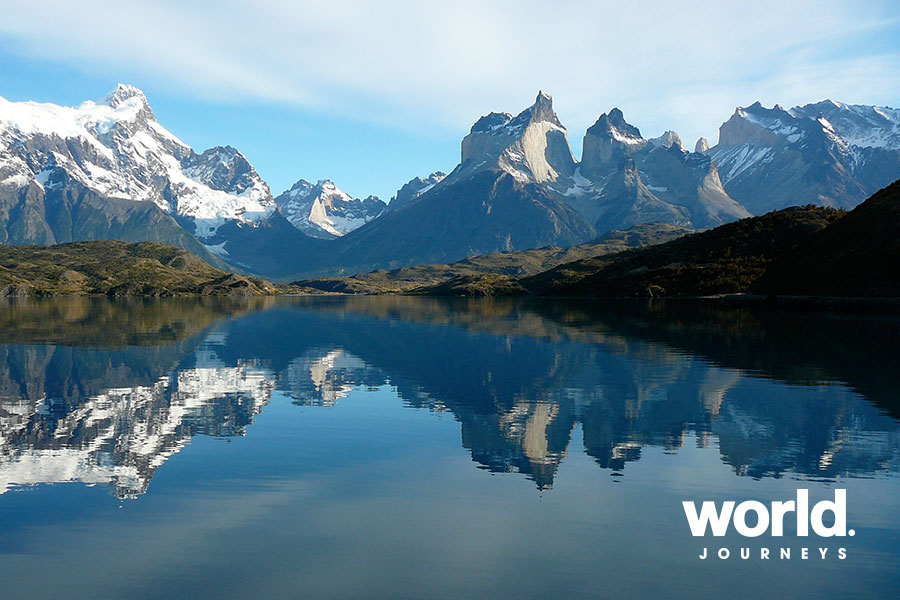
430	65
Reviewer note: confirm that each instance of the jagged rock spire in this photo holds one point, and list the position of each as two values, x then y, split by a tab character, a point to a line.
532	146
607	142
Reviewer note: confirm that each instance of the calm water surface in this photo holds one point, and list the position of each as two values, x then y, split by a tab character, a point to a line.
417	448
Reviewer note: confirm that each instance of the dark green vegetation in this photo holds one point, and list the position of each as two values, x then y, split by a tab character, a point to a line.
724	260
117	268
491	274
857	256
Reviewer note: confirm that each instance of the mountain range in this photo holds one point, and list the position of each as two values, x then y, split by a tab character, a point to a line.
827	153
110	170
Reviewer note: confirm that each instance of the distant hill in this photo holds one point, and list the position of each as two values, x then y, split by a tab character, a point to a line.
727	259
117	268
859	255
456	278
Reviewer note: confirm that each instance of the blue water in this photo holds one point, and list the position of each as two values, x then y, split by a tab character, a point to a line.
419	448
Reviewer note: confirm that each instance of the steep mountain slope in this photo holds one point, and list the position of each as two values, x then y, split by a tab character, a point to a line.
117	269
517	263
727	259
827	153
532	147
488	212
116	149
624	179
108	169
323	210
495	200
273	248
859	255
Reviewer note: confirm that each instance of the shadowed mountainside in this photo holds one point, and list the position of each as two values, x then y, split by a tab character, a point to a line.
859	255
724	260
490	270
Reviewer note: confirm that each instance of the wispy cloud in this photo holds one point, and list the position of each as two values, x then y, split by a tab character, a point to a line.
440	65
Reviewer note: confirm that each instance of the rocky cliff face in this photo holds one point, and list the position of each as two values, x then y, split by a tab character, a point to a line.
497	199
607	142
624	179
826	153
518	186
108	169
532	146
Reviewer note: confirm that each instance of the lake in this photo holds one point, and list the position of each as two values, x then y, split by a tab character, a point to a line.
395	447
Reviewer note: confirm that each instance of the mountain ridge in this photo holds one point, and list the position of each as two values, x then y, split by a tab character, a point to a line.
108	169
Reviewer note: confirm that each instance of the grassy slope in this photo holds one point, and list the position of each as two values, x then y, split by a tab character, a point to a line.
116	268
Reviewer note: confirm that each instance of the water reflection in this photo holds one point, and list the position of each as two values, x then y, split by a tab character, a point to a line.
104	393
54	433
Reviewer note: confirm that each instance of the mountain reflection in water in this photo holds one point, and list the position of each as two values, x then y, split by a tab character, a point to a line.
104	392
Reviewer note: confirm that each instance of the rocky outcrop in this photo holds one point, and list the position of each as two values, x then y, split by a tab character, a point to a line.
607	142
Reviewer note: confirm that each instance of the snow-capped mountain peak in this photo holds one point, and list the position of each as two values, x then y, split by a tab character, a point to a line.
414	188
613	125
116	148
854	125
607	142
858	125
125	94
828	153
323	210
756	124
86	121
491	122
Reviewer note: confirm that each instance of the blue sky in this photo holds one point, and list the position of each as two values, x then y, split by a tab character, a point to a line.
372	94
